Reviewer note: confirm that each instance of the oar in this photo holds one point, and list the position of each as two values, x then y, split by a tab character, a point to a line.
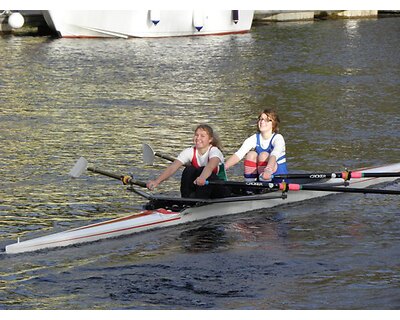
346	175
149	155
297	187
81	165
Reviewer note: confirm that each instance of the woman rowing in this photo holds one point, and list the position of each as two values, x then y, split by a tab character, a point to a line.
204	161
264	151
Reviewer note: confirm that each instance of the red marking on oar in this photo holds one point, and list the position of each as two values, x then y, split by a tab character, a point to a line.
294	187
356	174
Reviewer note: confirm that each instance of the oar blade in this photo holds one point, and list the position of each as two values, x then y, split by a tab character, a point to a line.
79	167
148	154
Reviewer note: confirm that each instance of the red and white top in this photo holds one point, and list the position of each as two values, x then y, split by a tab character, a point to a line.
192	156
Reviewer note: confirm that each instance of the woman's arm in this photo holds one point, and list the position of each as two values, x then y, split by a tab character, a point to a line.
233	159
247	145
207	171
168	172
272	166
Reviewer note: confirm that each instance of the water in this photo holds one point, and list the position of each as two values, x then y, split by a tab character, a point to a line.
335	85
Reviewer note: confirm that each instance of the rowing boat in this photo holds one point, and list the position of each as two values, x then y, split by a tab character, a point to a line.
165	211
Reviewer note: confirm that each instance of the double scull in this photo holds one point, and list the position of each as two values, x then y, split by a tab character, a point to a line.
165	211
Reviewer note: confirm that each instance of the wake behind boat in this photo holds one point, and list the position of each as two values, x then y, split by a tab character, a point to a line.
147	23
165	211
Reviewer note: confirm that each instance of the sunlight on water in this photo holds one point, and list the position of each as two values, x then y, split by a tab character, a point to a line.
335	86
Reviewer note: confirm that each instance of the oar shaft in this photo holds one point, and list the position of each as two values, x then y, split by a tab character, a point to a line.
124	179
253	184
297	187
165	156
346	175
360	174
342	189
149	153
105	173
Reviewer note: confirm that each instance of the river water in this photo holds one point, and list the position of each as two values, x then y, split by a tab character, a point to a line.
336	87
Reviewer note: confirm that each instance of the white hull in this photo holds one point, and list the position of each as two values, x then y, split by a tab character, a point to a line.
147	23
146	220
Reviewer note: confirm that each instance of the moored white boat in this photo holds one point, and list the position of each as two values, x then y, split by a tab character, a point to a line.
202	209
147	23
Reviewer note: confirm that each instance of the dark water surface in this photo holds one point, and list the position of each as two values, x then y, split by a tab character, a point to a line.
336	86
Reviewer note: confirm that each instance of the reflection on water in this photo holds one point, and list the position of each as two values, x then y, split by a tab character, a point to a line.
335	85
205	238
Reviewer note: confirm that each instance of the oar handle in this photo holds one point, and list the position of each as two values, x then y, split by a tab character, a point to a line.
124	179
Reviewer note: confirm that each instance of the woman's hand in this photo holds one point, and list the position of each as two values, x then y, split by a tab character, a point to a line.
267	174
200	181
151	185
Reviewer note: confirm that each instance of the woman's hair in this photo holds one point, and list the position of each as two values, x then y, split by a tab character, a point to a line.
216	142
272	115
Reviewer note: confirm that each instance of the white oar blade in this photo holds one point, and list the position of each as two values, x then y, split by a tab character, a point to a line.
148	154
78	168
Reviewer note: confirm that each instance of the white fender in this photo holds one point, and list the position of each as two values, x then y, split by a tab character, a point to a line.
16	20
